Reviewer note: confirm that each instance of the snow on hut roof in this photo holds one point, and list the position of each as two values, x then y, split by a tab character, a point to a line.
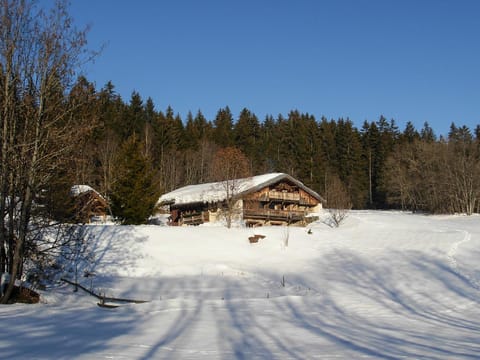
76	190
215	191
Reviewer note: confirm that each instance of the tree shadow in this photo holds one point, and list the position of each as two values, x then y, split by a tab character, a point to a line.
109	249
402	304
68	333
412	324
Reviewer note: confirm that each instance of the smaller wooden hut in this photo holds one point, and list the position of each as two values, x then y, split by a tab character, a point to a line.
89	204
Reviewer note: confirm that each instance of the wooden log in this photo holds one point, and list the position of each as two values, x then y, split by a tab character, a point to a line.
108	306
103	298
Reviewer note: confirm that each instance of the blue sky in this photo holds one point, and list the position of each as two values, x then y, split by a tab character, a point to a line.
410	60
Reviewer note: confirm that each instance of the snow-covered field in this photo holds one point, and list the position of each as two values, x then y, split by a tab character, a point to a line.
384	285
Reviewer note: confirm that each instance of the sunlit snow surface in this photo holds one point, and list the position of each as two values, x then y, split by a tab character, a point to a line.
384	285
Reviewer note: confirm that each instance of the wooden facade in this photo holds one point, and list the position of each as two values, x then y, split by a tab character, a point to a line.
89	204
282	200
278	204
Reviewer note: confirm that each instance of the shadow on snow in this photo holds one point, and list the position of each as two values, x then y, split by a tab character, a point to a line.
405	304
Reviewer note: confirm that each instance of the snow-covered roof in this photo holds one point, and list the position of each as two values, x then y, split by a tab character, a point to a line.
76	190
215	191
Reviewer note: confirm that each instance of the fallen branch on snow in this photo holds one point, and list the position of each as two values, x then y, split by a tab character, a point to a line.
101	297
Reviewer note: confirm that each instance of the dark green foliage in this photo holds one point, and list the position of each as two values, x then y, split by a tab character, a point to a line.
168	133
134	117
110	113
427	134
197	130
223	128
268	145
410	134
378	139
247	138
135	192
350	163
459	134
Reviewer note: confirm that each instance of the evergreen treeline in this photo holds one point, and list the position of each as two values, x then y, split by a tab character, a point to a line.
137	152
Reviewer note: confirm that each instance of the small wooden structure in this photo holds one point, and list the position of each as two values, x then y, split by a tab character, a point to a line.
270	199
88	204
254	238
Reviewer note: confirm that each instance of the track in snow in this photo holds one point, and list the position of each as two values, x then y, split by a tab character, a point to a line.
452	253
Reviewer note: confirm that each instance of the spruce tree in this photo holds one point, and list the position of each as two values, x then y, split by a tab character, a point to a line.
134	192
268	144
371	142
350	163
134	118
410	134
247	134
328	150
427	134
223	128
190	136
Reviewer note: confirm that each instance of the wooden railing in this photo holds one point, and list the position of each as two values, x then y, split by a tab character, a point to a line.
283	195
274	214
193	220
286	196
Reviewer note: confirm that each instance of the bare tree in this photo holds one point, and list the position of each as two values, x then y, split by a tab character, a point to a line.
39	53
338	201
196	162
107	150
438	177
229	166
401	186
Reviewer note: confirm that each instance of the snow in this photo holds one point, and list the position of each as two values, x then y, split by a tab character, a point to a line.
384	285
212	192
76	190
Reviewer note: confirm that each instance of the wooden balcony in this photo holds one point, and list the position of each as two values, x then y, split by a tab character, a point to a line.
286	197
270	214
193	220
278	195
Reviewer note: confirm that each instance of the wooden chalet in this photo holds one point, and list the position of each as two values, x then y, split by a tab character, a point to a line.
88	204
270	199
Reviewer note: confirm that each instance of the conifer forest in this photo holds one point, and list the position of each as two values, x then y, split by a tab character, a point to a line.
136	152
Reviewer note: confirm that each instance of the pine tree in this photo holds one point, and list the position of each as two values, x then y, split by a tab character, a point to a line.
197	131
460	134
133	118
107	136
247	136
148	133
328	149
291	146
190	136
223	128
314	161
427	134
199	149
410	134
111	111
268	145
350	163
134	192
370	141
